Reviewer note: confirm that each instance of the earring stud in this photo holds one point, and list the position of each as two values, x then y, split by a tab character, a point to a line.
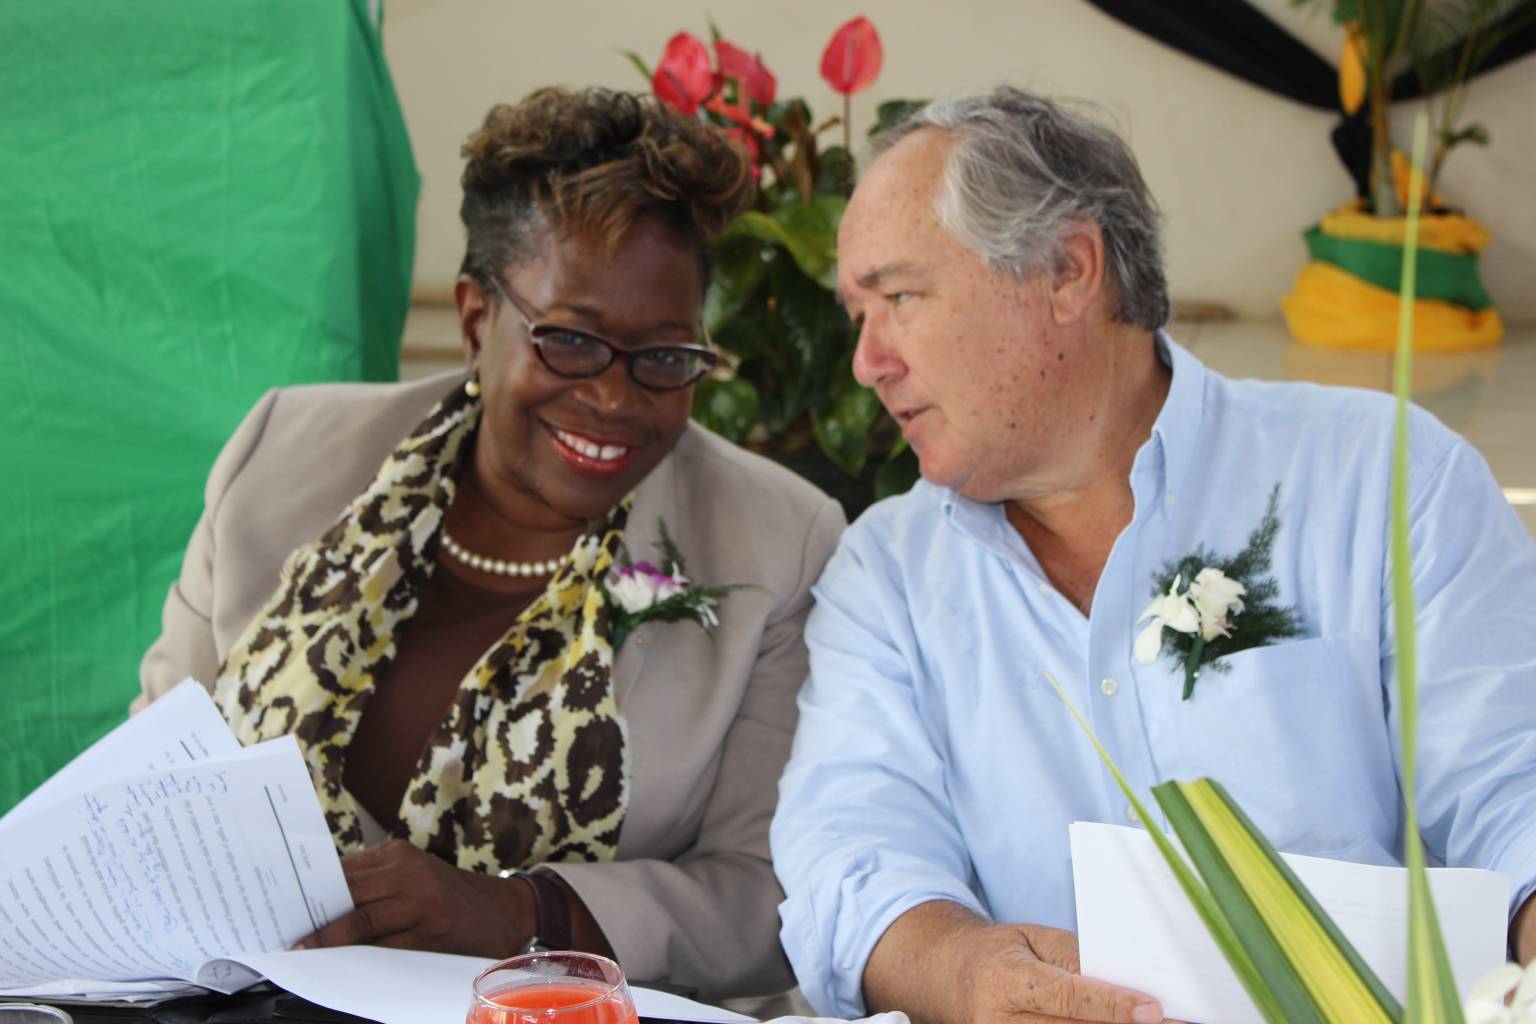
472	387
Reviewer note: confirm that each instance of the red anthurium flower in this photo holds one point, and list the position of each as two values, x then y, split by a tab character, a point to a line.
756	81
852	59
741	114
748	141
683	78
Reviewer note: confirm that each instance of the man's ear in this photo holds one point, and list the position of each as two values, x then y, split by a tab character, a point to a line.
474	316
1078	281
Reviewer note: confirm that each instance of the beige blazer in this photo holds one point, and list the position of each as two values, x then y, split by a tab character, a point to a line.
691	897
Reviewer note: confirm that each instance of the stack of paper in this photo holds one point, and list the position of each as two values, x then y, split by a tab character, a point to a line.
195	868
157	853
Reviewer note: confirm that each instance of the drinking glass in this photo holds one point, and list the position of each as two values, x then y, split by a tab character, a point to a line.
31	1013
555	987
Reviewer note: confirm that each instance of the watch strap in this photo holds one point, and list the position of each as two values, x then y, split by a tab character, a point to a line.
551	914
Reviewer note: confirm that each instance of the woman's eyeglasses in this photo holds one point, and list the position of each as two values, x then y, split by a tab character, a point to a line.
577	354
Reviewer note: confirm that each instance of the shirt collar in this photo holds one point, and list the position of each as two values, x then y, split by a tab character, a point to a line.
1176	431
1171	446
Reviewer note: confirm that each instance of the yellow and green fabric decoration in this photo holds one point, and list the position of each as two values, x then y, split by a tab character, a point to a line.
1352	78
1346	297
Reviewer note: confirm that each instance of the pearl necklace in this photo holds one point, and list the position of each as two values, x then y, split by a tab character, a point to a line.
500	567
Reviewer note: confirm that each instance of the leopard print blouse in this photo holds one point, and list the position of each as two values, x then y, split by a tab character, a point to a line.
530	762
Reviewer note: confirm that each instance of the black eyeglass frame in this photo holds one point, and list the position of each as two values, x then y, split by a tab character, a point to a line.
537	333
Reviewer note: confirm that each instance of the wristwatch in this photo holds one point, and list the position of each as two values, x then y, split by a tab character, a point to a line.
551	914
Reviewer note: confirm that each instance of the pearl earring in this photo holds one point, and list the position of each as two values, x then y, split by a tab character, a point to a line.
472	387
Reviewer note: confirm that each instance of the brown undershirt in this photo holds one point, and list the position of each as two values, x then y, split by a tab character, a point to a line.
454	624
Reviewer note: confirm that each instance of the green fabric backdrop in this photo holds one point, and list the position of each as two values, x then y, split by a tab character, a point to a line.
198	202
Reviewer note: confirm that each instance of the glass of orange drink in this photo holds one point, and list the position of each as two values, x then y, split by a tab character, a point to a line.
555	987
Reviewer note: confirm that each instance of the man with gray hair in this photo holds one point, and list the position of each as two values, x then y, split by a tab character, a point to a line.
1001	258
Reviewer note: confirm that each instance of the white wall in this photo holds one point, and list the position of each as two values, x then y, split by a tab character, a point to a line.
1239	172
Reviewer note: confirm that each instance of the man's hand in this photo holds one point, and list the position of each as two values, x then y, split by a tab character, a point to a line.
407	898
944	965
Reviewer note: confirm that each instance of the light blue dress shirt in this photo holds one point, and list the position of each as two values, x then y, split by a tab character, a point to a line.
933	760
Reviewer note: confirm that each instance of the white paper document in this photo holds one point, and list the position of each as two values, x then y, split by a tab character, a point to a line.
397	986
1137	928
167	859
182	727
130	886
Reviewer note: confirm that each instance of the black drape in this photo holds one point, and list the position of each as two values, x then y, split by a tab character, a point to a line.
1241	40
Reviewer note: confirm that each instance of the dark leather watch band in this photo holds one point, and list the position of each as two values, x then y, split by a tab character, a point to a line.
552	912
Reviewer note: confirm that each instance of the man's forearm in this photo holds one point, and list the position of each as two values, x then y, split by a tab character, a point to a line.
909	968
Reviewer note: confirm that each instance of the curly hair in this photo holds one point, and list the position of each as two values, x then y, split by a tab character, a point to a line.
597	160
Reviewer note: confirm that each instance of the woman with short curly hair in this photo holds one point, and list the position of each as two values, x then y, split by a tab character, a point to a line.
407	579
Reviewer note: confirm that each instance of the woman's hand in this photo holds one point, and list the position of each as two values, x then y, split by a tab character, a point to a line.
406	898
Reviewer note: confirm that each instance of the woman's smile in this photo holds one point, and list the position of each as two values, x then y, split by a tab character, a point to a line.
590	455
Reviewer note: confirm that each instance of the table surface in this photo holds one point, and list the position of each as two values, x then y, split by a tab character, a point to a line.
259	1006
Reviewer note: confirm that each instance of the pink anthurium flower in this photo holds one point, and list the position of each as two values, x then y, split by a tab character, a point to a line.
683	78
851	61
757	83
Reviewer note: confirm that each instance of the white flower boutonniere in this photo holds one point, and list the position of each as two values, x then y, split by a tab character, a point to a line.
1201	619
640	592
1207	608
1506	995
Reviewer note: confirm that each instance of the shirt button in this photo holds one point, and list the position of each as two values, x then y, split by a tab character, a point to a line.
1131	815
1172	500
1045	588
1108	687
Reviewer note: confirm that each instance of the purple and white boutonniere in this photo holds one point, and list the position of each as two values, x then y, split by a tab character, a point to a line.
1227	606
640	592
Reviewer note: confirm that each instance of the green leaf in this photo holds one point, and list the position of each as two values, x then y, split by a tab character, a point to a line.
1336	978
893	112
639	63
898	472
1279	975
794	110
739	269
837	172
1431	987
750	335
816	222
807	230
815	347
843	431
1345	11
1476	134
728	407
806	251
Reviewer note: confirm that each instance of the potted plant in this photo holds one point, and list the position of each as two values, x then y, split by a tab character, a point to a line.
1344	297
787	387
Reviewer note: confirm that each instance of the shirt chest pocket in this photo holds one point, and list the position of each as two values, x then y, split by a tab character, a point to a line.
1297	733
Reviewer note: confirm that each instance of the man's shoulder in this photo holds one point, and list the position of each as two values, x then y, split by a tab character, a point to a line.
1330	418
922	506
898	530
1301	402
